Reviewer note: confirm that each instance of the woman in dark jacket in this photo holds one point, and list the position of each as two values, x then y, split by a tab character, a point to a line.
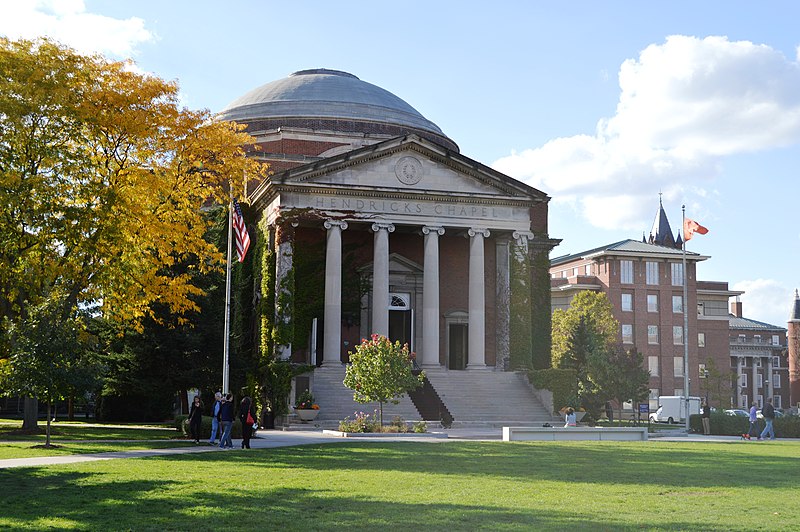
247	418
196	418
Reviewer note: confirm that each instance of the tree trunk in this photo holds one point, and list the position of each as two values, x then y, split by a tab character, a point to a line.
30	417
71	408
47	438
381	413
184	402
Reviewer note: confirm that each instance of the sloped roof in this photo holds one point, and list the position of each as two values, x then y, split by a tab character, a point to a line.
751	325
631	248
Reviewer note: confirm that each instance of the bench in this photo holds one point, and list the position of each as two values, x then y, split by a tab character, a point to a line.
574	433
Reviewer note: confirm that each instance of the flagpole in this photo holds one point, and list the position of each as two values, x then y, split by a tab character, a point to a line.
685	321
227	333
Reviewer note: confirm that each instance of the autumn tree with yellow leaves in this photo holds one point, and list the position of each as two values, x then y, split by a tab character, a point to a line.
103	176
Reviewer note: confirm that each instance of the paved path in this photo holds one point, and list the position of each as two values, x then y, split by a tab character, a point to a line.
271	439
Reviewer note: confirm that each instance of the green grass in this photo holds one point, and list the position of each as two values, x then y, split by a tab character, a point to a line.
450	485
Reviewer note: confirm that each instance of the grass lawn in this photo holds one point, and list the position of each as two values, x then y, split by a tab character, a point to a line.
443	485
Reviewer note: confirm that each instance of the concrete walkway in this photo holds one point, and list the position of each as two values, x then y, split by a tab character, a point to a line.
275	438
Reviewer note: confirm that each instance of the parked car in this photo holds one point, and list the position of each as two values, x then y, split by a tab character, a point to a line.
737	412
778	414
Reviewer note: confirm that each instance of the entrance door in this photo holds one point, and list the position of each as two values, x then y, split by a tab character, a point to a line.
457	356
400	327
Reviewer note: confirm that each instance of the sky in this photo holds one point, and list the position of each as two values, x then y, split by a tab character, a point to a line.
606	106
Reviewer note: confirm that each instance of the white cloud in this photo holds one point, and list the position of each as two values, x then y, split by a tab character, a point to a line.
766	300
68	22
684	105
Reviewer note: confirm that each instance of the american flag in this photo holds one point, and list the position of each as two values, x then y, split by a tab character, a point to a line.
242	236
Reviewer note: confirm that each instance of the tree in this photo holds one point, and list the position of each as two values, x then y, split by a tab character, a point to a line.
49	357
381	371
716	383
582	334
102	179
620	375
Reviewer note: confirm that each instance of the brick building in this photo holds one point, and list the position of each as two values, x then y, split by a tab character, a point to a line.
644	282
405	236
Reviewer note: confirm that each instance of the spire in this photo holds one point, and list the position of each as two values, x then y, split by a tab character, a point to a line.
661	233
796	309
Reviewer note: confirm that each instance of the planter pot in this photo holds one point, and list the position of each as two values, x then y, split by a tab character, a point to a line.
579	416
306	415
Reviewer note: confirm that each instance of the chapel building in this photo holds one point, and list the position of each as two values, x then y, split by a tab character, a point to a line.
375	223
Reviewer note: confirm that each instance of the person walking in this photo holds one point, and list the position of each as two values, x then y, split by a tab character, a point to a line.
706	417
753	417
215	419
247	419
769	417
196	419
226	422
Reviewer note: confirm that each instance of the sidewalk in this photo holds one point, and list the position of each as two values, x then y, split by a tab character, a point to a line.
276	438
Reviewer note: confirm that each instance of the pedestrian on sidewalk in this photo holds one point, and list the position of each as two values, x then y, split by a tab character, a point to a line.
215	419
247	419
226	422
753	417
196	419
706	417
769	418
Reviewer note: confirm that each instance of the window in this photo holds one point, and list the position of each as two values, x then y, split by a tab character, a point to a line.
564	274
743	380
652	334
575	271
756	338
654	393
627	302
776	340
712	308
776	380
776	401
776	362
627	334
588	269
759	380
652	365
678	392
677	304
626	271
701	339
677	274
652	302
743	402
760	401
677	335
651	272
677	366
741	339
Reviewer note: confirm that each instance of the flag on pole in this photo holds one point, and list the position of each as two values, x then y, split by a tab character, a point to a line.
690	227
242	236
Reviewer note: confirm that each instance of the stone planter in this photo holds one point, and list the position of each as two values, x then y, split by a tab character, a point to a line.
306	414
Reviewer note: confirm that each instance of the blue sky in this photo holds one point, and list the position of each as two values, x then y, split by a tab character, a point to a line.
602	105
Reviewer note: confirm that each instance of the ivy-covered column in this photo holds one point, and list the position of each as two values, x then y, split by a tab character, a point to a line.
284	289
519	325
541	316
502	302
332	341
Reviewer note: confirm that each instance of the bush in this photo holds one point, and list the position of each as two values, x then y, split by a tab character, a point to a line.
562	382
362	423
725	425
420	427
182	426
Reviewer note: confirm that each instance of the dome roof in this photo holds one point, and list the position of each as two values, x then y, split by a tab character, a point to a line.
326	94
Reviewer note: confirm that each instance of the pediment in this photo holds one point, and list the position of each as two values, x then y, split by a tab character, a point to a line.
410	166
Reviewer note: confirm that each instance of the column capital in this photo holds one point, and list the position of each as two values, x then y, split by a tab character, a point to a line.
427	229
521	237
341	224
378	226
482	231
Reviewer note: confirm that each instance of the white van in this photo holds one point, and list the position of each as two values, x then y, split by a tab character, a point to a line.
672	409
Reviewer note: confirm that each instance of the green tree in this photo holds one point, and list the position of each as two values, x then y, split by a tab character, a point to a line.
50	357
381	371
102	179
620	375
716	384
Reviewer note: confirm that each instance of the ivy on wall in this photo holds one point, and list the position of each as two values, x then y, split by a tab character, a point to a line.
520	326
541	340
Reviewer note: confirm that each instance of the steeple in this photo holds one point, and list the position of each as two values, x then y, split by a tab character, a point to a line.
661	233
795	316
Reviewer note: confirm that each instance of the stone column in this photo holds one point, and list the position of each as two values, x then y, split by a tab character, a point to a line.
477	300
430	297
769	391
380	278
332	341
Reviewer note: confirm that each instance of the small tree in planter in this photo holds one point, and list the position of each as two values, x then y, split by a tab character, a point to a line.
381	371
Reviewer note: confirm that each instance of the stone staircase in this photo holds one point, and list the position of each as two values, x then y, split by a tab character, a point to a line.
474	398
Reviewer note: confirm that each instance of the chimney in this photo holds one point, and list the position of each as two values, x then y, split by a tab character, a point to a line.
736	308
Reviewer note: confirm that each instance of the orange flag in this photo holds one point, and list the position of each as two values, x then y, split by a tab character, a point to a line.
690	227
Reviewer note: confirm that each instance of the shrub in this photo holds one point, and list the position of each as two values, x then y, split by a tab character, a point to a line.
398	424
562	382
361	423
420	427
